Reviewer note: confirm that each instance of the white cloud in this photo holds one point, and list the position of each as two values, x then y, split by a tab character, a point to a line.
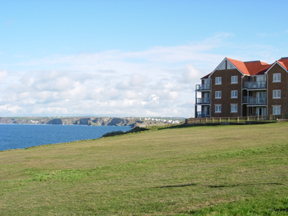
3	75
159	81
190	74
8	108
135	81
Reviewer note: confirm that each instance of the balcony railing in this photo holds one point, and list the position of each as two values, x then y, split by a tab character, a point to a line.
254	100
202	100
202	114
255	85
203	87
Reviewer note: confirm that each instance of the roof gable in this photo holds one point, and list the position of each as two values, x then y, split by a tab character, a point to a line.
245	68
239	65
219	67
250	68
283	63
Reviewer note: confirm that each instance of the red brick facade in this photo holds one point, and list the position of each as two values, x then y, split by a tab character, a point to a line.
238	88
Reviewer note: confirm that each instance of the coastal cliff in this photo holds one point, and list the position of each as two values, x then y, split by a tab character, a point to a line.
91	121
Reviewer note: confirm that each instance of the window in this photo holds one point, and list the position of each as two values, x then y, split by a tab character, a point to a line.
276	93
230	65
222	66
234	94
218	80
234	108
218	108
276	110
260	78
277	77
218	94
234	79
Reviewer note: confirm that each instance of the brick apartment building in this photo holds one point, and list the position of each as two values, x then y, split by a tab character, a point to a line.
237	88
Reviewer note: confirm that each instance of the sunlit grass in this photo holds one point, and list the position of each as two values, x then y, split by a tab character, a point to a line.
214	170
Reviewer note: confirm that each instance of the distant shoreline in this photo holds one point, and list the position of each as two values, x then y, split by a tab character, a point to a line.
89	121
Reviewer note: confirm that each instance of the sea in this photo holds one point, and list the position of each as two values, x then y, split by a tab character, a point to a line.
19	136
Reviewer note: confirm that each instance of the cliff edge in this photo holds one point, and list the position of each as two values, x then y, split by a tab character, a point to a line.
92	121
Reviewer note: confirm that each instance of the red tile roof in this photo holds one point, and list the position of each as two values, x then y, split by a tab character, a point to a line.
254	67
207	76
250	68
240	65
283	62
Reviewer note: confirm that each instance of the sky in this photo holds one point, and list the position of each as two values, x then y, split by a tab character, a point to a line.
124	57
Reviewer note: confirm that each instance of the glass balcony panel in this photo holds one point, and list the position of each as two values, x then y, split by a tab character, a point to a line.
202	87
202	100
202	114
257	100
255	85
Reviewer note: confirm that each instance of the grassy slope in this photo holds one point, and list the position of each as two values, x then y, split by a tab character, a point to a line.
196	170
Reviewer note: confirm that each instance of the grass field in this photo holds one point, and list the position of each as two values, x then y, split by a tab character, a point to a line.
207	170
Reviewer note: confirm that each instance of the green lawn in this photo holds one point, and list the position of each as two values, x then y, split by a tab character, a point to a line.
206	170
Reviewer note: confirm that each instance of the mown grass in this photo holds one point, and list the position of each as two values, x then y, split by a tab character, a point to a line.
207	170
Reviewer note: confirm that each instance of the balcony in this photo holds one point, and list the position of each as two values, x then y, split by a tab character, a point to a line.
204	87
244	99
255	100
202	100
202	114
255	85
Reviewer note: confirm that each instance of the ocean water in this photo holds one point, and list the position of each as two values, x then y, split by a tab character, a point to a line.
13	136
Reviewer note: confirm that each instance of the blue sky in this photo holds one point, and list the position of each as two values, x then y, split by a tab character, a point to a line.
126	58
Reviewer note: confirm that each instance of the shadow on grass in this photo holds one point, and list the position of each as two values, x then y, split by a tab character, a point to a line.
180	185
216	186
281	210
116	133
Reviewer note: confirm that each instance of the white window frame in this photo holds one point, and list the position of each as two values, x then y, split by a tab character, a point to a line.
277	77
276	110
218	108
234	93
277	94
234	108
218	80
234	79
218	94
